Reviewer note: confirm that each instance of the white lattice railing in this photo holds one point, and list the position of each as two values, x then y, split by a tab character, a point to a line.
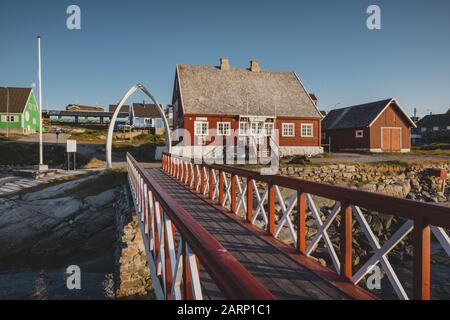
259	198
177	246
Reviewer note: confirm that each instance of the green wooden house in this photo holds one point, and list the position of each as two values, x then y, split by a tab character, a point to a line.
19	112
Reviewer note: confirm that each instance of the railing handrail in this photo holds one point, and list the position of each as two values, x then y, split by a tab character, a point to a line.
230	276
433	214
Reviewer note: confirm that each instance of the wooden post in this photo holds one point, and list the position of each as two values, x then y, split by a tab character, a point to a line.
421	260
187	289
202	182
301	224
249	200
233	193
168	271
271	192
195	177
211	184
346	240
189	174
221	187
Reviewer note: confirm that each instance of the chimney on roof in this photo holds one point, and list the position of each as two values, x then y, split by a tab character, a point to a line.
224	64
314	98
254	66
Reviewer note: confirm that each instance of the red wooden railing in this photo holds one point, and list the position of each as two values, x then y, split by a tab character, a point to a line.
175	268
211	180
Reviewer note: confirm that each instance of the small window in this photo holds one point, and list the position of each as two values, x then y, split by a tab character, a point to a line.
435	128
288	130
256	128
244	128
448	127
423	129
223	128
307	130
10	118
201	128
268	129
359	133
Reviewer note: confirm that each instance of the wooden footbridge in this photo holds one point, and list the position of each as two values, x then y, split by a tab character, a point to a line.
212	232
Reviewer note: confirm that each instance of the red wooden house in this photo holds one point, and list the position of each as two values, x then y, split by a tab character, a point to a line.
381	126
251	102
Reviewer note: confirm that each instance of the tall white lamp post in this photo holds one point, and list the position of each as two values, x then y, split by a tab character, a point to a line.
41	166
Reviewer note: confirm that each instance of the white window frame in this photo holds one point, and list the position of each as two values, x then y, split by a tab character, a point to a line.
448	127
423	129
224	131
268	128
435	128
304	128
202	132
256	128
244	128
10	119
359	134
288	126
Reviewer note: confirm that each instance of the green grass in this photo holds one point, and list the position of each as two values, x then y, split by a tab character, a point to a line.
10	137
14	153
149	139
432	149
391	163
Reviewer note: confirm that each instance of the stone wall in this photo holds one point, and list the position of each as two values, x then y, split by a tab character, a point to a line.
132	274
397	180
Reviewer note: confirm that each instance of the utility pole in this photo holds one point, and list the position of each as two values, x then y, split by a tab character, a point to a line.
7	112
41	153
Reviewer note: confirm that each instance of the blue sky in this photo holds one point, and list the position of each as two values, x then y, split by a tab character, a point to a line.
325	42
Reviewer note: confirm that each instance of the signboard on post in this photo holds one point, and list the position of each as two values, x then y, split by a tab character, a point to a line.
71	148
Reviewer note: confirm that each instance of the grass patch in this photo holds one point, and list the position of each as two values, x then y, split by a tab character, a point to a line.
10	137
28	154
109	179
431	149
392	163
149	139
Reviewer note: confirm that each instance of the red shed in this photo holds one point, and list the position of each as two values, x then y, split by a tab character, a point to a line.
381	126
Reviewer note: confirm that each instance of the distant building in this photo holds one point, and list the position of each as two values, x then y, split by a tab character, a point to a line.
381	126
251	102
169	115
142	115
435	128
19	112
76	107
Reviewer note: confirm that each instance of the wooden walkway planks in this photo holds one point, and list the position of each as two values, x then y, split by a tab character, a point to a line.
284	277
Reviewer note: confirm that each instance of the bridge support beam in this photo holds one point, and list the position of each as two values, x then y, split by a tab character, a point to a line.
301	224
422	260
271	195
346	240
249	200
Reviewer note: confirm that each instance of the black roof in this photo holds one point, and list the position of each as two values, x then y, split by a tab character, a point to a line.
435	120
358	116
17	97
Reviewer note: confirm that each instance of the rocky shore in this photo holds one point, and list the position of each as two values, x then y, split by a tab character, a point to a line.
84	222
